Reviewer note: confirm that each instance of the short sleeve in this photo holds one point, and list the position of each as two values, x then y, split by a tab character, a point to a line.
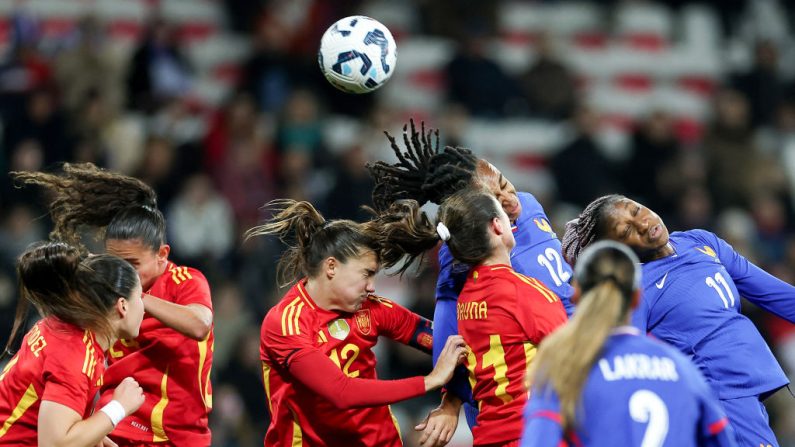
190	287
283	338
64	381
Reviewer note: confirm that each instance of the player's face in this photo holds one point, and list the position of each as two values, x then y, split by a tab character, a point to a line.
353	281
149	263
507	235
135	314
637	226
491	177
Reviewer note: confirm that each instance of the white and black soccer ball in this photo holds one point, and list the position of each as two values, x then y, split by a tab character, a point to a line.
357	54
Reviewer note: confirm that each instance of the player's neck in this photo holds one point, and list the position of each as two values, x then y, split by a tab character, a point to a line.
319	292
105	342
498	256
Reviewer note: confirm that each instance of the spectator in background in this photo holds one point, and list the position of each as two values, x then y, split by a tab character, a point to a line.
770	215
762	85
232	319
548	84
654	147
201	225
352	187
581	170
237	121
87	69
300	141
694	208
271	72
240	154
26	156
776	138
731	157
24	69
159	169
158	72
244	373
43	122
476	81
19	229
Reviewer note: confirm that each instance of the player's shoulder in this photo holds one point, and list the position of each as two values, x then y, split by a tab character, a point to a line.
530	204
695	236
62	342
59	332
181	275
378	302
294	311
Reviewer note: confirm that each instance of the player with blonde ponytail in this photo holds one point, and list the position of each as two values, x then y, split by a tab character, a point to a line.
597	381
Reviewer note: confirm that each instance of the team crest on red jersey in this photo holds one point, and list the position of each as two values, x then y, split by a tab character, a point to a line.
362	318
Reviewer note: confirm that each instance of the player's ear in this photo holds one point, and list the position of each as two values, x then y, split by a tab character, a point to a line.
121	307
497	227
163	251
330	266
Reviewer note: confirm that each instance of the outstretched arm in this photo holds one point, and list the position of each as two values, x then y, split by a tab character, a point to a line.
316	371
757	285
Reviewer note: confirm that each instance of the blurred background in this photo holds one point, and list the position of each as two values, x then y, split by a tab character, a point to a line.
686	106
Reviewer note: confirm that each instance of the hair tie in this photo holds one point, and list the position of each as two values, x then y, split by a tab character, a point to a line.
443	231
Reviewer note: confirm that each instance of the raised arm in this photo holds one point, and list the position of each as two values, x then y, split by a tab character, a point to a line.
192	320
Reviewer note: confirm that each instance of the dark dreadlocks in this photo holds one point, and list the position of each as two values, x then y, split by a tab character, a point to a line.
422	172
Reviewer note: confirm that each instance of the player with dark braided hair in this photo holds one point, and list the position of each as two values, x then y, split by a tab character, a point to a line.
422	173
692	284
425	172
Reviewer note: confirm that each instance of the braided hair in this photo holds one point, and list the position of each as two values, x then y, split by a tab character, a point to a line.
423	172
588	227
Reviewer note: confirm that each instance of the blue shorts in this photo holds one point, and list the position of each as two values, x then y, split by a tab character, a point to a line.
748	417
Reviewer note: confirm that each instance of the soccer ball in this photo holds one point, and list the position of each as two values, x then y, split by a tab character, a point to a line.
357	54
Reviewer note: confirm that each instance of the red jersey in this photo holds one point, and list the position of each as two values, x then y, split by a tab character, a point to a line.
58	362
503	316
296	327
172	369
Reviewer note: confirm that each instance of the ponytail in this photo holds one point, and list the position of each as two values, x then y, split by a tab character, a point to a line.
60	282
310	238
608	275
85	195
565	357
402	231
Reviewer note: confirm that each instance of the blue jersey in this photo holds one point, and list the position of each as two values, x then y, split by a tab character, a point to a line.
691	300
639	392
536	254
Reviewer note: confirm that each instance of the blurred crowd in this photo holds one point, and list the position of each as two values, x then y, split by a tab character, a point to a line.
214	166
